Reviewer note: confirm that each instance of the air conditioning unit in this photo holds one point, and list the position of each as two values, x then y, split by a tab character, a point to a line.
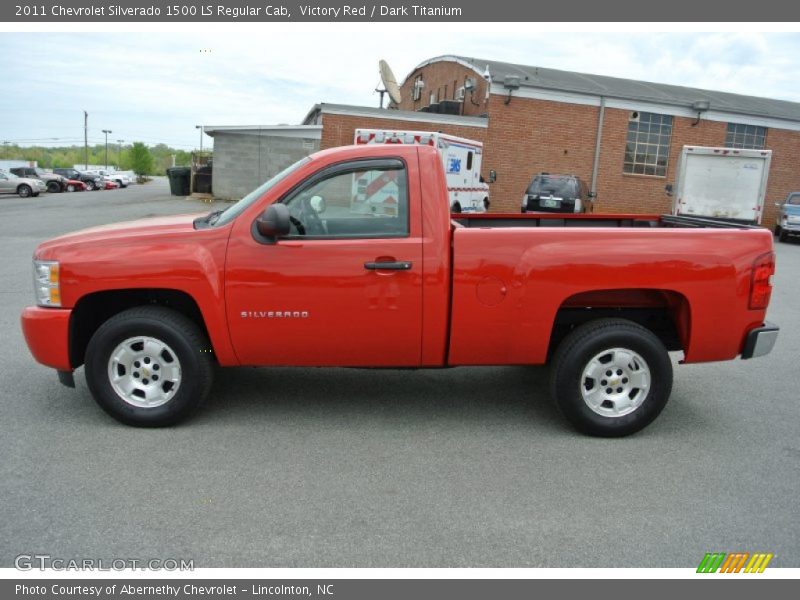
460	94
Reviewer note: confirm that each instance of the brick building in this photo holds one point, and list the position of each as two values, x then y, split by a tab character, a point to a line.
622	137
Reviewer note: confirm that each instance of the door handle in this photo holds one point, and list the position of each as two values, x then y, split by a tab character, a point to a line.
388	266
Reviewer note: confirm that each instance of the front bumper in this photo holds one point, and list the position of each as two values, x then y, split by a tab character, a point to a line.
791	227
46	332
760	341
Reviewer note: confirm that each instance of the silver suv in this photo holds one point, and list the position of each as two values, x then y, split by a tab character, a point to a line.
22	186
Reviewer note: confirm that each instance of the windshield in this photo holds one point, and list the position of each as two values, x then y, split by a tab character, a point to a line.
794	199
234	211
557	185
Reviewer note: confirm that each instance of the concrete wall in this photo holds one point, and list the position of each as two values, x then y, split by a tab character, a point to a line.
243	161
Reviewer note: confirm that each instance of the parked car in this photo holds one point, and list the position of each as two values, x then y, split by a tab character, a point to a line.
150	307
22	186
120	178
557	193
93	182
788	217
110	185
74	185
54	183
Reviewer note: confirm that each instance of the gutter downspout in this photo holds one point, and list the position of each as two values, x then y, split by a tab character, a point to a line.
598	140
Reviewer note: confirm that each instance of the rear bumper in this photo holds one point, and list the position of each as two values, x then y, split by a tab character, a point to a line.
46	332
760	341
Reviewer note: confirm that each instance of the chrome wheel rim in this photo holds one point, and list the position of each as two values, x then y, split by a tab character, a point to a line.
615	382
144	372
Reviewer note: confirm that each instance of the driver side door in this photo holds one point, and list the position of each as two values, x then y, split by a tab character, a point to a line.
344	288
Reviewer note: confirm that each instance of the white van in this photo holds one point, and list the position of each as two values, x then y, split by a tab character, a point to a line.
461	159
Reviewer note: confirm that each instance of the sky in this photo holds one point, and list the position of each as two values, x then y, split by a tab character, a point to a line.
157	86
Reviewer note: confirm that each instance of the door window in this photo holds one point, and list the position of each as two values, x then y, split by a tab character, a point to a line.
367	200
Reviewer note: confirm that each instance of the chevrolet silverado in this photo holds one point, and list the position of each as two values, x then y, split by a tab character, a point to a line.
304	272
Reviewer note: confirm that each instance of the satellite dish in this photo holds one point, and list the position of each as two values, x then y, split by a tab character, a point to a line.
389	83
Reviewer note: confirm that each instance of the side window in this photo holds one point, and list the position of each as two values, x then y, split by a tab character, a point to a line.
469	161
355	201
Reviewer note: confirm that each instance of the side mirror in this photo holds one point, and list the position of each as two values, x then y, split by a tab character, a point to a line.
668	189
492	176
274	222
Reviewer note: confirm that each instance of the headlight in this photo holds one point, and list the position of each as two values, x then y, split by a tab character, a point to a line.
46	282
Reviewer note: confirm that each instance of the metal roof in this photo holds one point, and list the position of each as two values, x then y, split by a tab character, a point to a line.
307	131
400	115
627	89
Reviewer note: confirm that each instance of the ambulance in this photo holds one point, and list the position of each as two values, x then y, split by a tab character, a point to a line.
461	159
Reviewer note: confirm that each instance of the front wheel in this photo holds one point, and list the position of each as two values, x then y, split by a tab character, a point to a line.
611	377
53	187
149	367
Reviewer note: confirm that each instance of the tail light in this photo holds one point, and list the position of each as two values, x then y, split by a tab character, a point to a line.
761	282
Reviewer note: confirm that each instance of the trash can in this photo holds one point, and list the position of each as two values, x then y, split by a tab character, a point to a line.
179	180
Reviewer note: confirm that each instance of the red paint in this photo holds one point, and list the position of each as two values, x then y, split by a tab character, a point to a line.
46	332
473	296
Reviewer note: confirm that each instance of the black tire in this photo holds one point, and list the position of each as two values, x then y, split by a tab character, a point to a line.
53	187
580	349
456	208
89	186
777	230
782	236
182	336
486	204
119	181
24	191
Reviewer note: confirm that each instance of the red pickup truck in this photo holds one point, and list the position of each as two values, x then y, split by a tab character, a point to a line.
309	270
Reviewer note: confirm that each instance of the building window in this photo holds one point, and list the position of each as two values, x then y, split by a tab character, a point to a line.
745	136
647	146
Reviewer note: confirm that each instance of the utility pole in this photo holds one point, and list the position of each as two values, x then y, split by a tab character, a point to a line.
200	127
86	139
119	154
107	131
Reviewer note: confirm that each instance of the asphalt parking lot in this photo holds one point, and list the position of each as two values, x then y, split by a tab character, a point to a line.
326	467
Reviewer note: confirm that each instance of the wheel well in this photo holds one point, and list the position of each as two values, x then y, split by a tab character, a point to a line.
663	312
93	310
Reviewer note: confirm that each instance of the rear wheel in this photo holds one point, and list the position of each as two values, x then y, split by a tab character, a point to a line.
53	187
611	377
149	367
456	208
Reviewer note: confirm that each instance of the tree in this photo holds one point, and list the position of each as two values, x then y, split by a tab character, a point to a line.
140	158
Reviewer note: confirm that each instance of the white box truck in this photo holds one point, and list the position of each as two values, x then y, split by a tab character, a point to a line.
461	159
721	183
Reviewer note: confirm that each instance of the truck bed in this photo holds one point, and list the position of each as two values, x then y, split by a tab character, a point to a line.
593	220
